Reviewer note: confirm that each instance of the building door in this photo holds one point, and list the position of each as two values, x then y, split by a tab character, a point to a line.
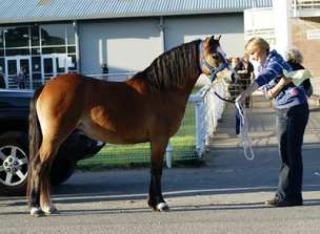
13	65
53	65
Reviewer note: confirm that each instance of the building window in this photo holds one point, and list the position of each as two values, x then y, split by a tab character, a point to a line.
17	37
53	34
35	35
42	45
1	39
70	31
53	50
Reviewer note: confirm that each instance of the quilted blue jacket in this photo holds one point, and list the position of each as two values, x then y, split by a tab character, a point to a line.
270	73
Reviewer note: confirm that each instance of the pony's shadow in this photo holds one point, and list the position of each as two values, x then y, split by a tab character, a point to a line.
100	196
174	209
86	198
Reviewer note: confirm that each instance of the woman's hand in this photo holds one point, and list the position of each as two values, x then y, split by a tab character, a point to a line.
284	81
242	97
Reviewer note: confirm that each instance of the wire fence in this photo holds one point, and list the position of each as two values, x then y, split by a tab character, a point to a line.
182	145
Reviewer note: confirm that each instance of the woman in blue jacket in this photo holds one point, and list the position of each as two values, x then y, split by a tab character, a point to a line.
292	112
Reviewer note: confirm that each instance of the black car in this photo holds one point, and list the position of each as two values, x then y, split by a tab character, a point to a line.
14	111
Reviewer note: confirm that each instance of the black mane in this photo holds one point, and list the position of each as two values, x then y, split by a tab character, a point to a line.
173	68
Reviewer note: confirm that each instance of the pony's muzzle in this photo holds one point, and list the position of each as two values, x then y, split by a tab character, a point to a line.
228	75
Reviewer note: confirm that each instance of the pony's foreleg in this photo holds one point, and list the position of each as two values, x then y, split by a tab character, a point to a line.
156	200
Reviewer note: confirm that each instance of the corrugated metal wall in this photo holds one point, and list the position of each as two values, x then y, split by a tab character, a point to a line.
183	29
132	44
127	45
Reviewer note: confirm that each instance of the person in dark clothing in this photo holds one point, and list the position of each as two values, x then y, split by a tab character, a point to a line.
2	82
292	113
245	70
235	87
295	59
21	78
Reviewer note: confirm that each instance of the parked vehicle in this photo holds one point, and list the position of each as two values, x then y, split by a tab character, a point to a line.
14	161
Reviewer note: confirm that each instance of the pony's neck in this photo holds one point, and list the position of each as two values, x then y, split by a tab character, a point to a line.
176	69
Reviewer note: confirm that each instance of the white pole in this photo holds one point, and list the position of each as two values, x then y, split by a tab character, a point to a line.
100	52
198	126
169	157
162	39
282	16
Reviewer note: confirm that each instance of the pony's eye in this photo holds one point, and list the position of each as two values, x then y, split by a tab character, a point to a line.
215	56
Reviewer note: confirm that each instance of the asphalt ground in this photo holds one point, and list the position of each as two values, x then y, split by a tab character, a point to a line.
225	196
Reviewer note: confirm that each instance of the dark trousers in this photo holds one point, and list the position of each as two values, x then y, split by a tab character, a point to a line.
22	85
291	124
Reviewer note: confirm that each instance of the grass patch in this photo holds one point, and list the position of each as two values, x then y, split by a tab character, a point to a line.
128	156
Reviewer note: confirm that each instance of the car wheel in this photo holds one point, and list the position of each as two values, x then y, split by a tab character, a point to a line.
13	163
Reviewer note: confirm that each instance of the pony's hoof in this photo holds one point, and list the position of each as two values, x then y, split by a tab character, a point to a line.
50	210
162	206
36	212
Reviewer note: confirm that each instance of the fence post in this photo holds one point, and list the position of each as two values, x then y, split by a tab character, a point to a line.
169	157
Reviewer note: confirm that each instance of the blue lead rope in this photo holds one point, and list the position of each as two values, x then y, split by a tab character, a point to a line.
238	120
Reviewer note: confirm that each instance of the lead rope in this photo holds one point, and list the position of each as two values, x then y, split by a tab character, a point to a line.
245	141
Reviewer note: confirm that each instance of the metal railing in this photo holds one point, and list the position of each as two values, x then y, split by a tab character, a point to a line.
208	110
306	3
306	8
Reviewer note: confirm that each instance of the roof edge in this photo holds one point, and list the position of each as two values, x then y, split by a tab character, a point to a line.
117	16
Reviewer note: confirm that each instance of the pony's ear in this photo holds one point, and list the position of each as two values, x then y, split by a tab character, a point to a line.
211	40
218	37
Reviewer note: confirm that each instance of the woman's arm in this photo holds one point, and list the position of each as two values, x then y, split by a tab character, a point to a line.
270	72
274	91
246	93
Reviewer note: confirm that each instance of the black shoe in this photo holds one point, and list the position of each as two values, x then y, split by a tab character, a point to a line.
275	202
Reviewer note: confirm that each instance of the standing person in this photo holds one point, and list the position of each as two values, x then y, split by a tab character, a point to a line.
235	87
245	70
21	78
105	71
295	59
2	82
292	113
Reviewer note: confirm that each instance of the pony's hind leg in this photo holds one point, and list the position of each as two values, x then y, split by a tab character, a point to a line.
41	187
48	151
34	186
156	201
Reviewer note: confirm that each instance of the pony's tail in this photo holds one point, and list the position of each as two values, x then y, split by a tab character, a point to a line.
35	138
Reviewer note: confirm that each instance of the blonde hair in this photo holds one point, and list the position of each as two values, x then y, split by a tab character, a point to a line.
294	55
256	43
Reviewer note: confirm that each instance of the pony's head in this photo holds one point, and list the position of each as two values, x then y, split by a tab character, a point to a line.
213	61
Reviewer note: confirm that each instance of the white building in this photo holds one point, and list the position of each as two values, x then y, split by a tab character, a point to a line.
49	37
289	23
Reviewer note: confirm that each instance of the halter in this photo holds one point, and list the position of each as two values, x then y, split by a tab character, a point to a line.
213	70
